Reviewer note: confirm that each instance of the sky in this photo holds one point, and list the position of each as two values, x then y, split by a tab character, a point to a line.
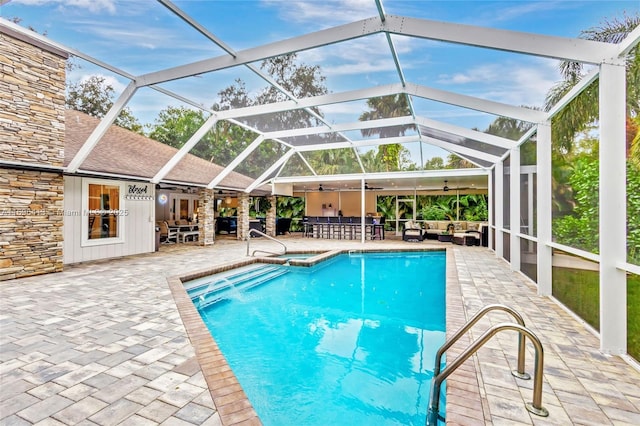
140	36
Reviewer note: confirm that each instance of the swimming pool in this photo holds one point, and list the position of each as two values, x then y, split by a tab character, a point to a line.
348	341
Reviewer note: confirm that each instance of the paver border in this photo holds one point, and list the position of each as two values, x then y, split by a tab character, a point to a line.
464	402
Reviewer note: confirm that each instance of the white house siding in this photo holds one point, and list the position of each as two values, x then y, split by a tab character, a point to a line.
138	224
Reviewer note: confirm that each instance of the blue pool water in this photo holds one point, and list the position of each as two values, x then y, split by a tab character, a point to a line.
350	341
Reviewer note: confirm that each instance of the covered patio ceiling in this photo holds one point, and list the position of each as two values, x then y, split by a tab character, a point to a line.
424	133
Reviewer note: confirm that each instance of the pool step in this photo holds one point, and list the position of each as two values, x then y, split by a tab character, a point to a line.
224	285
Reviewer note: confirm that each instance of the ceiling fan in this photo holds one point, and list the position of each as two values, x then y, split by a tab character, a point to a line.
321	188
447	188
367	187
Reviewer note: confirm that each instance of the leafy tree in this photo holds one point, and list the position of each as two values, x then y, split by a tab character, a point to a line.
227	140
580	229
17	20
434	163
583	110
456	162
175	125
509	128
391	156
94	96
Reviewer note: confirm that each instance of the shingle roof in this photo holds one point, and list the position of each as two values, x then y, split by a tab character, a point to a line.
127	153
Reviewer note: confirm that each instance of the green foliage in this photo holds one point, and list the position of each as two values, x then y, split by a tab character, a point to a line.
292	207
579	290
392	157
263	205
582	111
175	125
333	161
434	163
580	229
473	207
94	96
633	213
435	212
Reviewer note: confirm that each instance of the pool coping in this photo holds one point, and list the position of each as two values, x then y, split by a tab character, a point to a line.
465	404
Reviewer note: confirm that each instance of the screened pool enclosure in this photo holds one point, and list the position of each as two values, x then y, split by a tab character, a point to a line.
294	124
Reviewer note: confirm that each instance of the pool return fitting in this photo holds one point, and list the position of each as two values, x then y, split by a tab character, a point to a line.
439	376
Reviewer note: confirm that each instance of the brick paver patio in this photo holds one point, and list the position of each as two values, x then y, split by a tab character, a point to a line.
104	343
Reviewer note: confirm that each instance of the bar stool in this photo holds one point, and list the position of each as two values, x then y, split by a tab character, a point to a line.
307	227
324	227
335	227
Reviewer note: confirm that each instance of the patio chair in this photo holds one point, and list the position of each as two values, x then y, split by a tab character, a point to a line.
170	232
412	231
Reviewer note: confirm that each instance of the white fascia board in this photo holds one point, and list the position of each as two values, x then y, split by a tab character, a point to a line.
467	133
236	162
269	171
460	150
335	128
359	143
101	128
184	150
308	41
477	104
571	49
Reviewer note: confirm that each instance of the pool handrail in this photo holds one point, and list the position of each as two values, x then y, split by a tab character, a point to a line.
262	234
519	373
534	407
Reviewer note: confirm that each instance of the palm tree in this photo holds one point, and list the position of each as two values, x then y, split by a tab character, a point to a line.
393	155
583	110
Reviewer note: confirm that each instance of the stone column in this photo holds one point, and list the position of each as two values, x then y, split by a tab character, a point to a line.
271	216
206	217
243	216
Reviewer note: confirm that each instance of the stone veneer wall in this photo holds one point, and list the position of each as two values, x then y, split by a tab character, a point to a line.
32	90
31	213
271	217
243	216
206	217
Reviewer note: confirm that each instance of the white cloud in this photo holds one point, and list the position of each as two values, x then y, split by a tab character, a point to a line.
94	6
324	12
361	56
515	84
496	13
109	80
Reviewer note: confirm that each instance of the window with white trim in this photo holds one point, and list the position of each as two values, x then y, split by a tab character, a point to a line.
103	209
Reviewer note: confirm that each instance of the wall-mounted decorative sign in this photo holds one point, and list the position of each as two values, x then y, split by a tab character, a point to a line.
138	192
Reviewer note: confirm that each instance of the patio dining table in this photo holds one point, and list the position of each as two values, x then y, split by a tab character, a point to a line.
186	231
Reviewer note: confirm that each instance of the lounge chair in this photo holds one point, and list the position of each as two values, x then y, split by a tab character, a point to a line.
412	231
